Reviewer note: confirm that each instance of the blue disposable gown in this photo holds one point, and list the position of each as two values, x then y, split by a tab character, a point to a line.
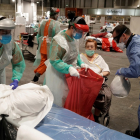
133	54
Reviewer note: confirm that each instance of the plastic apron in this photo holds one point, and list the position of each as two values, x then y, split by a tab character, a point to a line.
43	47
55	80
5	60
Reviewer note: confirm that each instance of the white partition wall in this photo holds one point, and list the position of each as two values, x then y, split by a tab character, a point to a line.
134	25
102	21
31	9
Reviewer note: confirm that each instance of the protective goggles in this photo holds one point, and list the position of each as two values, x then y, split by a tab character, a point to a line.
117	38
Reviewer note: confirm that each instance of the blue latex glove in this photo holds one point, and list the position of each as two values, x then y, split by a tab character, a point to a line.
118	72
14	84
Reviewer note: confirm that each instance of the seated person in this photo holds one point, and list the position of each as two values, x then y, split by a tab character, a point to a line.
95	61
99	66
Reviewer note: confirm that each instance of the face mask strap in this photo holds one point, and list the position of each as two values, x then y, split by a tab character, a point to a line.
117	38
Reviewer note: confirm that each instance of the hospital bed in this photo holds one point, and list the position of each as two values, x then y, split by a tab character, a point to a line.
62	124
110	41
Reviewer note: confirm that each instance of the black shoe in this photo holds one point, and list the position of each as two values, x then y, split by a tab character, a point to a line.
35	79
130	133
96	119
106	120
133	133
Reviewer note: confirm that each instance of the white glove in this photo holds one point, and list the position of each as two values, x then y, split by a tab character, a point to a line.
74	72
84	66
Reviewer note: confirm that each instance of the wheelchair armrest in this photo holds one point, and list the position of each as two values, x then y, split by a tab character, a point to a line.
105	78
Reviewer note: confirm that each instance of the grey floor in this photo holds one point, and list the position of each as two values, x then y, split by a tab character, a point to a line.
123	112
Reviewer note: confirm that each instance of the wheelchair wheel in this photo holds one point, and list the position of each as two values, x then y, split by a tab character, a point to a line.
106	120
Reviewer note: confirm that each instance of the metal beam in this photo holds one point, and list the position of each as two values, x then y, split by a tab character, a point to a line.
55	3
84	3
59	3
50	4
97	3
69	3
104	3
42	8
112	3
80	4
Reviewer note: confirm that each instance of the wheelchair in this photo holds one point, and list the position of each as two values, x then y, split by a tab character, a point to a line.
102	104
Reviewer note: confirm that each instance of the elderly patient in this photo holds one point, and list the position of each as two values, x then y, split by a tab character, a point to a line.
99	66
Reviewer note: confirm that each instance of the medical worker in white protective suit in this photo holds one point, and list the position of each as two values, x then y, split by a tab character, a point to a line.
10	53
64	57
130	41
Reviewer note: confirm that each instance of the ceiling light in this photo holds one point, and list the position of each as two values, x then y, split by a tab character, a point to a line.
37	2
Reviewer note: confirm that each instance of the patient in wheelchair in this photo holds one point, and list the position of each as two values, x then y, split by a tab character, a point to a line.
99	66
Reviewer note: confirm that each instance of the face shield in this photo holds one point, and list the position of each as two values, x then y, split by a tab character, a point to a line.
6	29
5	36
80	31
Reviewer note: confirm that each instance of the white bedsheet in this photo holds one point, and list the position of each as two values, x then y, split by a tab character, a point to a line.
27	105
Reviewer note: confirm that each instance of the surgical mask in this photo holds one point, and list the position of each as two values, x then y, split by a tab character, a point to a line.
77	35
121	45
5	39
89	52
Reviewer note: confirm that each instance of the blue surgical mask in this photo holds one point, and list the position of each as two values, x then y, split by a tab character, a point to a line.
77	36
6	39
89	52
